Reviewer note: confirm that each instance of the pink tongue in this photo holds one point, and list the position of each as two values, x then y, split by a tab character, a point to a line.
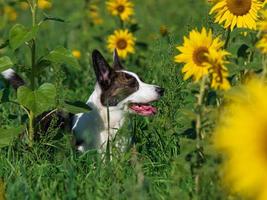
145	110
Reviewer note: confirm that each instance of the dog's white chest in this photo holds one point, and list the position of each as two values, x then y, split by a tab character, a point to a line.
94	128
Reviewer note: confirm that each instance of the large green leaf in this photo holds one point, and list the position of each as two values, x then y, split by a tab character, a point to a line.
19	34
5	63
60	55
39	100
76	107
8	135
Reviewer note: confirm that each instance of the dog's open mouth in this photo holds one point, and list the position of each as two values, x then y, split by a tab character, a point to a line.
143	109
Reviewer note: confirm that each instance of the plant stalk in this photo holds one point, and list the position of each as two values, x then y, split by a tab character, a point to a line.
227	38
200	99
264	66
33	47
121	23
33	6
31	128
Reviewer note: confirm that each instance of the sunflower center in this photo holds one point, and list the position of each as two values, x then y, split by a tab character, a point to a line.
120	8
122	44
199	55
239	7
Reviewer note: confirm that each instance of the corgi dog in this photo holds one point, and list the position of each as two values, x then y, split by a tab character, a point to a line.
116	93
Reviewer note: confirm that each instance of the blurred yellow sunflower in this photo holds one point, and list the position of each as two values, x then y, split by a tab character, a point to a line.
94	14
240	13
121	8
194	53
123	41
262	24
164	30
217	69
241	136
10	13
262	44
24	5
44	4
76	53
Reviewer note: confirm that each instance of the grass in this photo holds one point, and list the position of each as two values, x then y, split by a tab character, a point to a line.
161	163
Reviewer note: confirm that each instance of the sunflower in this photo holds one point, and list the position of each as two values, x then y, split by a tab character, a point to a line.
44	4
262	24
164	30
240	13
10	13
242	138
123	41
194	53
94	14
76	53
24	6
262	44
121	8
217	69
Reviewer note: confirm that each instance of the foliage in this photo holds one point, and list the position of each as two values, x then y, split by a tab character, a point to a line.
171	156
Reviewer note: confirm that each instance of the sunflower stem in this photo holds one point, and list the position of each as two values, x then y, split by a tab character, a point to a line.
199	134
31	128
121	23
200	99
33	6
227	38
264	66
33	46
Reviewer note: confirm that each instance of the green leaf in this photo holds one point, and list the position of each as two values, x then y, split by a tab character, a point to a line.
8	135
50	18
19	34
60	55
76	107
42	64
5	44
39	100
5	63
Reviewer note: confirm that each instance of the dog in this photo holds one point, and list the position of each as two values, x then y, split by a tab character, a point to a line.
116	93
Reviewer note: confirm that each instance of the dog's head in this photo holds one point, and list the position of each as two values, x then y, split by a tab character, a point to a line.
124	89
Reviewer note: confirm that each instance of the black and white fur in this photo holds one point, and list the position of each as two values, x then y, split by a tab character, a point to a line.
114	91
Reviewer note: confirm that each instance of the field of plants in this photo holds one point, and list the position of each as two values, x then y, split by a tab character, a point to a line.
208	139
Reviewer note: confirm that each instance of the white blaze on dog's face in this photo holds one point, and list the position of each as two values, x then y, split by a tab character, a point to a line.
124	89
138	102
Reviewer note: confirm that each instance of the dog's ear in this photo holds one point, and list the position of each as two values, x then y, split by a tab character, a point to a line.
116	61
102	69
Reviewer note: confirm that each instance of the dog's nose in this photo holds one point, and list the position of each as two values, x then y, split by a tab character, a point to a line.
160	91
